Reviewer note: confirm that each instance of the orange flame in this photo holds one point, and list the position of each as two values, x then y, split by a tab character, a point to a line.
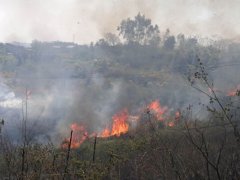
105	133
78	137
177	115
159	111
121	122
120	125
171	124
234	92
211	90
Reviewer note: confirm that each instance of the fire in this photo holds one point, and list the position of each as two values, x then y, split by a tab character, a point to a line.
234	92
106	133
80	134
171	124
211	90
177	115
78	137
119	126
121	122
159	111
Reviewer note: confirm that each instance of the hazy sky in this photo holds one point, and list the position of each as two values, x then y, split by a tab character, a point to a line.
87	20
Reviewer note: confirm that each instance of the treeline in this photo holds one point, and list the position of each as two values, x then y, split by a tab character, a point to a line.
192	149
139	45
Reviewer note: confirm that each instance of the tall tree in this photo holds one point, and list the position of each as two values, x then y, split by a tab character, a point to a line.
111	39
169	41
139	30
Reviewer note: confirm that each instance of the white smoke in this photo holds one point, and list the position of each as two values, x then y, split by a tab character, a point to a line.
85	21
8	98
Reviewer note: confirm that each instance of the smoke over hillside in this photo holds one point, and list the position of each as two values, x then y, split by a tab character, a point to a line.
86	21
55	84
119	89
69	83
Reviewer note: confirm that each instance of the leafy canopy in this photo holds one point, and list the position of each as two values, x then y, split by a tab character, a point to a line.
140	30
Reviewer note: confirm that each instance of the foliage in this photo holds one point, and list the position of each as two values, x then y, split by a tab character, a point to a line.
160	154
193	149
140	30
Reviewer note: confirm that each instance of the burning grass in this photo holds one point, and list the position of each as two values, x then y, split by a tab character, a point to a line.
143	154
119	125
122	123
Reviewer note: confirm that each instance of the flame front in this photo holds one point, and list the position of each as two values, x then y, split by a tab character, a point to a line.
171	124
119	126
159	111
78	137
234	92
177	115
105	133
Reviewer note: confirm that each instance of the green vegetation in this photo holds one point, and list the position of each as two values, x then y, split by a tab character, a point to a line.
150	65
197	151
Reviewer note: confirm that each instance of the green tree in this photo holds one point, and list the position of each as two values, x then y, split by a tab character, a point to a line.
139	30
169	41
111	39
